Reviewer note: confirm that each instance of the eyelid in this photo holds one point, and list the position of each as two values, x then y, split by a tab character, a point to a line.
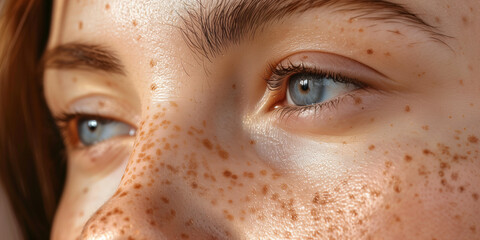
336	64
104	106
93	106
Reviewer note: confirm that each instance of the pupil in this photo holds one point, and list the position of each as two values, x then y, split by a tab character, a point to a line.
92	125
304	86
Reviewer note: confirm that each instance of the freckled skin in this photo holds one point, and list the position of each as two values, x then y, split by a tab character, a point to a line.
207	163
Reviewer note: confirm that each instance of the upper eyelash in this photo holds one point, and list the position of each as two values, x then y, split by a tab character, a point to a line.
280	73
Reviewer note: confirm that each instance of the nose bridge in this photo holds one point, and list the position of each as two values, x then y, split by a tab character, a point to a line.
148	199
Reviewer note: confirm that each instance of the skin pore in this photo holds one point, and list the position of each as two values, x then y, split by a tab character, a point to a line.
217	150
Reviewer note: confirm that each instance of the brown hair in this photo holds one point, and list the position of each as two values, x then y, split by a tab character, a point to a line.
32	166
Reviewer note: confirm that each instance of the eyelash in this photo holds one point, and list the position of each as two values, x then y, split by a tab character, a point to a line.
280	75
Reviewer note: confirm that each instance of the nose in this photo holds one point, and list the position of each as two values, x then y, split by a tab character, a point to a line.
167	190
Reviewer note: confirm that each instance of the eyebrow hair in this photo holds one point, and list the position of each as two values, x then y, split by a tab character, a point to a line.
83	56
209	30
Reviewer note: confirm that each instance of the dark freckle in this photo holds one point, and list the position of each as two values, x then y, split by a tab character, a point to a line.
360	30
153	87
134	22
249	174
370	51
80	25
234	86
388	164
371	147
464	20
473	139
107	6
165	200
137	186
274	196
427	152
264	189
444	165
184	236
194	185
437	20
152	63
123	194
475	196
321	199
263	172
443	182
358	101
227	173
173	104
408	158
407	108
397	188
207	144
149	211
223	154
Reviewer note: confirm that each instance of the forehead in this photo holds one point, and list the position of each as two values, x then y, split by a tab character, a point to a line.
105	20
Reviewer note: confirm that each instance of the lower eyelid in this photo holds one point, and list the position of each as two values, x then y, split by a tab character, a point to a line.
103	156
338	116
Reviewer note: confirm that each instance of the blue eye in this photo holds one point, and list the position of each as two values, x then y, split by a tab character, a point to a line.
308	89
93	130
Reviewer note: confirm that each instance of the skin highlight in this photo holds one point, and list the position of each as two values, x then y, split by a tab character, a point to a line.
217	154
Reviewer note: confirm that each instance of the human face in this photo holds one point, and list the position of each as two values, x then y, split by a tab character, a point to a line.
207	137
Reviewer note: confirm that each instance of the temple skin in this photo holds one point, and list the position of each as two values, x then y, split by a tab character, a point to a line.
214	157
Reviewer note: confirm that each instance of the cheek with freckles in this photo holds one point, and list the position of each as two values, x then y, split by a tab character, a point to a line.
184	183
429	185
181	181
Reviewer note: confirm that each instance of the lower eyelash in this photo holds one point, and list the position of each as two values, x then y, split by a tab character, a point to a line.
285	112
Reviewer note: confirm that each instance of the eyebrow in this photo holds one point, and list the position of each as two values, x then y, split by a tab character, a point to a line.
209	30
83	56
